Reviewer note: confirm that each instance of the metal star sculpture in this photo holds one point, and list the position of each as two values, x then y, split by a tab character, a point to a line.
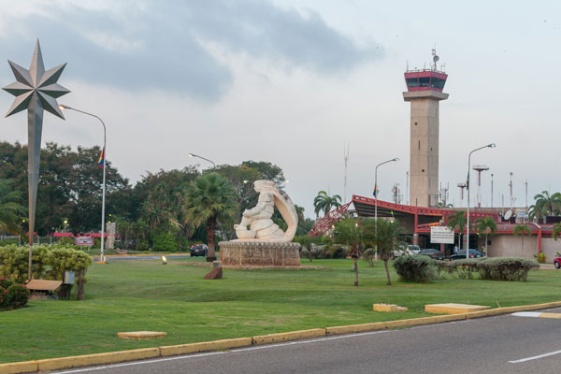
35	90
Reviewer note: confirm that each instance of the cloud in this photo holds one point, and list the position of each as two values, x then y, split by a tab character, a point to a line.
169	46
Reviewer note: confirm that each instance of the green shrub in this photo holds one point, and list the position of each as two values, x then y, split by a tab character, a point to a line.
17	296
464	269
3	297
506	268
340	252
164	242
14	263
5	283
420	269
48	262
540	257
443	269
69	242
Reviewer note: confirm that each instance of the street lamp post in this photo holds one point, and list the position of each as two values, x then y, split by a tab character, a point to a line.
202	158
103	160
376	198
492	145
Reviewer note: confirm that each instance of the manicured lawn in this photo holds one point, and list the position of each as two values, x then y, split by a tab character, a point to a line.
146	295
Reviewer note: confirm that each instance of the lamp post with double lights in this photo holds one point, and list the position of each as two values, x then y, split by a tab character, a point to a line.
492	145
103	165
376	198
202	158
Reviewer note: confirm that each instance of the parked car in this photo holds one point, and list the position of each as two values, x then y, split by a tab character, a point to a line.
410	249
432	253
199	250
557	262
461	255
414	249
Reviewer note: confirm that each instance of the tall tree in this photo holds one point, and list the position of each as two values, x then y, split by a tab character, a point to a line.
11	210
324	203
210	199
267	171
458	221
487	226
385	234
348	232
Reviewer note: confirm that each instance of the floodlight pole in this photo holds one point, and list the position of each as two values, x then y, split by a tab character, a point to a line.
102	250
492	145
202	158
376	199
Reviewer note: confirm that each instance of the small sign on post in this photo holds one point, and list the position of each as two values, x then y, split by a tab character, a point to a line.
441	235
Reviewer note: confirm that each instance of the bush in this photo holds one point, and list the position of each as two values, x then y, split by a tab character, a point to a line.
420	269
3	297
340	252
506	268
57	259
12	295
465	269
164	242
5	283
17	296
540	257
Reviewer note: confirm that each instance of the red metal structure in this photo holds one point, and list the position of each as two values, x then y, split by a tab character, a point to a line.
325	223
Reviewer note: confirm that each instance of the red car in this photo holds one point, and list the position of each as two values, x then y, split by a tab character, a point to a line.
557	262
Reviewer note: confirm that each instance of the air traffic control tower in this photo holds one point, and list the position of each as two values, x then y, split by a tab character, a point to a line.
424	91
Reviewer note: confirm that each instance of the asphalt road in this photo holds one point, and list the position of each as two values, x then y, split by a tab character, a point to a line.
492	345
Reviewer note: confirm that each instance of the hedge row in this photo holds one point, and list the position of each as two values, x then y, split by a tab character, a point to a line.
423	269
48	262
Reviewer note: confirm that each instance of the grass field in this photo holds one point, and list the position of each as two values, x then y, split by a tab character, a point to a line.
174	298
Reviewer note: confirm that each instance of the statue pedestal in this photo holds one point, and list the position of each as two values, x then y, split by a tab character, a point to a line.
257	253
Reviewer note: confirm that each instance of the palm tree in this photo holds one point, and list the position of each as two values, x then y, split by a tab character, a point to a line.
324	203
556	231
522	230
209	199
348	232
486	225
545	205
457	220
11	211
383	234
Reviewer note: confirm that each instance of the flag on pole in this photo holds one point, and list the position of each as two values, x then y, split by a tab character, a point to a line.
101	160
467	181
375	190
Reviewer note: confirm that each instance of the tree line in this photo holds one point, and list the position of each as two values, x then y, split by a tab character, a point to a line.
162	211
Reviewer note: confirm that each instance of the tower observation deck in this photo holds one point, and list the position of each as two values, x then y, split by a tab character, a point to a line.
424	91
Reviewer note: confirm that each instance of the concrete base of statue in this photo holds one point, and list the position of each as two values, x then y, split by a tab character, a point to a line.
259	253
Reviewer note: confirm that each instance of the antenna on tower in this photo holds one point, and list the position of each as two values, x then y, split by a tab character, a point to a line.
435	58
346	155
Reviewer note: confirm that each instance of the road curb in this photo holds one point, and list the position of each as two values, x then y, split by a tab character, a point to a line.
286	336
218	345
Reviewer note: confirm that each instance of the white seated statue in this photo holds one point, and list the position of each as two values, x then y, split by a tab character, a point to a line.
258	218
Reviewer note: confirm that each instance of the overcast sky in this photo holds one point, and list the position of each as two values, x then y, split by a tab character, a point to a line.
300	84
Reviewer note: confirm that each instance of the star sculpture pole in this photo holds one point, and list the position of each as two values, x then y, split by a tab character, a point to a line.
35	90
